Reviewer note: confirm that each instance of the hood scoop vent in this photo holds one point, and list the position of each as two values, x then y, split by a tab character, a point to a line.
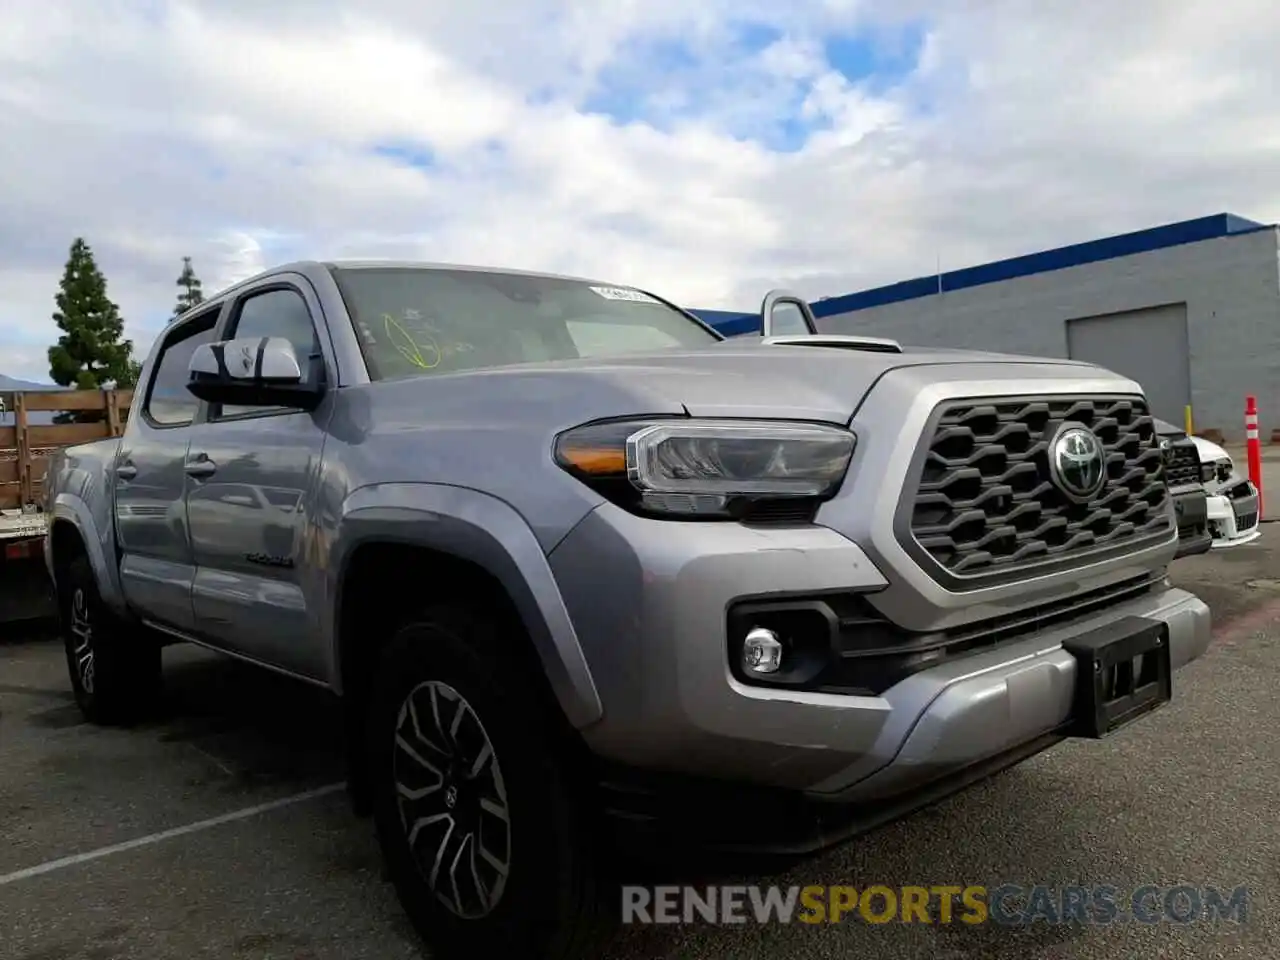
869	344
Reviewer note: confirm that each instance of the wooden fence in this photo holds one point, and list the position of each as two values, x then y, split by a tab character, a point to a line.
25	447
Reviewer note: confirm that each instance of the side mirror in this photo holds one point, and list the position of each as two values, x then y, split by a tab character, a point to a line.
784	313
251	372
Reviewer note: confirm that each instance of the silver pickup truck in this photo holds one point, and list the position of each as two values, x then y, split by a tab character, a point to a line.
579	568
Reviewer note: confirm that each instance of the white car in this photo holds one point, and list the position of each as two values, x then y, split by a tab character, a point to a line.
1231	498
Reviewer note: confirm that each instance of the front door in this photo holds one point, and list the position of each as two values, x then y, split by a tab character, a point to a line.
252	477
156	563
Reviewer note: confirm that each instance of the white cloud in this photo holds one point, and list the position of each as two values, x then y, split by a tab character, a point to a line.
706	150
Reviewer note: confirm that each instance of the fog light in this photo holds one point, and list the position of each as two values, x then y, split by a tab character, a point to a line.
761	651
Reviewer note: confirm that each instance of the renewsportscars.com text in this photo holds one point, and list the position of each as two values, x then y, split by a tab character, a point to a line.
1006	904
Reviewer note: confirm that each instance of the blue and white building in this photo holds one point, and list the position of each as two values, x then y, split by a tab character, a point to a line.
1191	310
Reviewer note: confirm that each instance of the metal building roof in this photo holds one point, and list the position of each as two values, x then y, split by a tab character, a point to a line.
1212	227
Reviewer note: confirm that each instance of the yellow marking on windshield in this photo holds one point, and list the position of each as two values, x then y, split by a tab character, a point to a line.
408	347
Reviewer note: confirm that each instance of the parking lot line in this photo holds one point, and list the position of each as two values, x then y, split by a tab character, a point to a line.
246	813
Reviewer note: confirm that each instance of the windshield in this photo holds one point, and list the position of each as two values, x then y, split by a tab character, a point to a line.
422	320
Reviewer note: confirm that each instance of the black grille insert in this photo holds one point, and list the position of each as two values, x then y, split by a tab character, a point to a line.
1181	463
783	512
985	505
876	654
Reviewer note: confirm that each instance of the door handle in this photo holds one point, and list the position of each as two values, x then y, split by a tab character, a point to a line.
200	466
126	471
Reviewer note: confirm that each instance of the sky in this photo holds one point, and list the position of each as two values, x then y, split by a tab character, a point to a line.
708	151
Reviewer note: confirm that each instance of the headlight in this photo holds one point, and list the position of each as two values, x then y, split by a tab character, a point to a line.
706	468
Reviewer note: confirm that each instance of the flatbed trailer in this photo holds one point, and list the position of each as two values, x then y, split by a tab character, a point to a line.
27	438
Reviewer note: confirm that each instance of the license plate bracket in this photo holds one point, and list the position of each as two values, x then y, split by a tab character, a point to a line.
1124	671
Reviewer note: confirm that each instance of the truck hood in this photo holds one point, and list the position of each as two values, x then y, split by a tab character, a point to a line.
1209	451
778	380
728	379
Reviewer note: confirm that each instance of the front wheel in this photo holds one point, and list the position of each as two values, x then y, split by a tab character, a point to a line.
115	672
481	827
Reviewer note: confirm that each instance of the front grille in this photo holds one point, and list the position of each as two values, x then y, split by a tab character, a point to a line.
1182	464
985	505
1246	521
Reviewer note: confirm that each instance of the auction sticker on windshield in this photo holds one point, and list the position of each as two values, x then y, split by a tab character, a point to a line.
622	293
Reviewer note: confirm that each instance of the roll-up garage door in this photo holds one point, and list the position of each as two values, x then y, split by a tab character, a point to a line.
1149	345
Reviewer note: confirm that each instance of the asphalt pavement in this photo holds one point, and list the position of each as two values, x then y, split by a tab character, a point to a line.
220	830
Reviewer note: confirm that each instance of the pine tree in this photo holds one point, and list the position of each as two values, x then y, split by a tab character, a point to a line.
192	293
92	352
131	375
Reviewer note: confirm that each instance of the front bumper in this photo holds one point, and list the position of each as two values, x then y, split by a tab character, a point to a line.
658	649
1234	518
993	702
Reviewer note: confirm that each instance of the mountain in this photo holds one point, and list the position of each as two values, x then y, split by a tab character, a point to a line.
13	383
36	417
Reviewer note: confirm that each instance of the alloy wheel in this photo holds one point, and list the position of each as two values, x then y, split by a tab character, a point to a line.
82	642
452	800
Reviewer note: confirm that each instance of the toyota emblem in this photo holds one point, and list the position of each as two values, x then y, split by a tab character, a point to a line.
1076	462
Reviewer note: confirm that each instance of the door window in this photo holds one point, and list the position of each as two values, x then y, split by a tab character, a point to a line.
169	403
276	313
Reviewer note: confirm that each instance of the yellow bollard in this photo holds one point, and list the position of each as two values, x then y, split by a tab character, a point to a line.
1187	418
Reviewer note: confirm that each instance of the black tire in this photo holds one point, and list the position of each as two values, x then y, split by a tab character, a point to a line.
548	905
115	670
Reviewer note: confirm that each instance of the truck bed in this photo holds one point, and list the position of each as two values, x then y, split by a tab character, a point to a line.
17	524
28	437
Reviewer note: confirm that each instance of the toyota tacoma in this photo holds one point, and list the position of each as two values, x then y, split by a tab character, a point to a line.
579	567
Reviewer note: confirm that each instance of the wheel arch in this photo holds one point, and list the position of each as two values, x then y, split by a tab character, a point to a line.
74	532
403	544
65	544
